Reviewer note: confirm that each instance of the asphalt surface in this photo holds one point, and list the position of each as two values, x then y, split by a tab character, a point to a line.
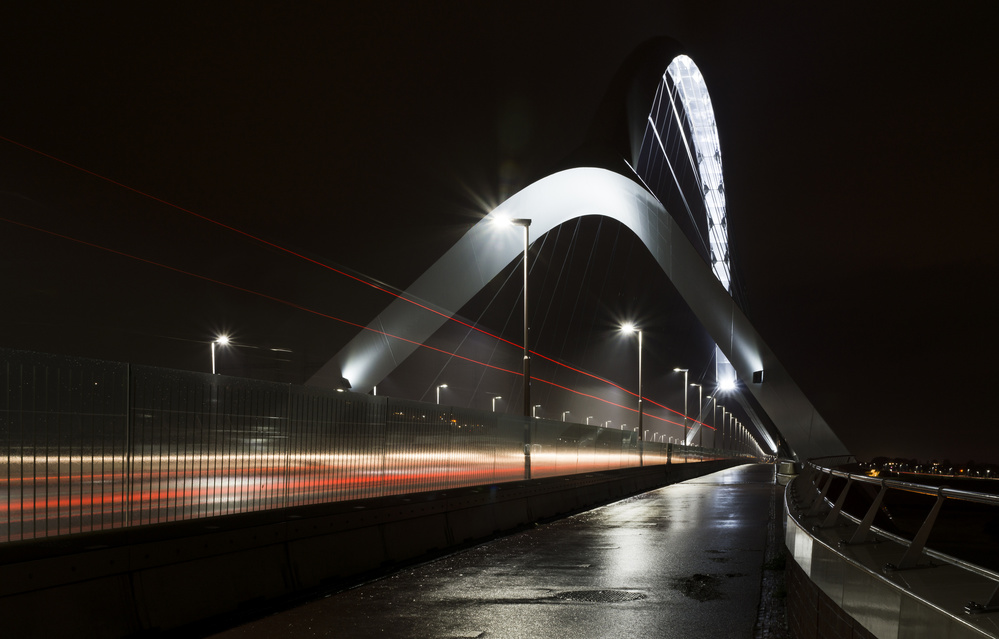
681	561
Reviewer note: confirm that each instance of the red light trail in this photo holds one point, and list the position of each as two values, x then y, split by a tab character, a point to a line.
332	269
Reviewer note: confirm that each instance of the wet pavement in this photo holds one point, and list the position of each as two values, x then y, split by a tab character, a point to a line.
680	561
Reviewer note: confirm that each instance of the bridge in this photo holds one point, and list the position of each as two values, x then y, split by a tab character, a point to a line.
139	479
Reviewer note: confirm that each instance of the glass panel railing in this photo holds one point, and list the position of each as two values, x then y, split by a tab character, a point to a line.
90	445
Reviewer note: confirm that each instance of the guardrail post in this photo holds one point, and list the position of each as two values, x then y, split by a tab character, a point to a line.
808	472
830	519
860	535
817	503
992	605
916	547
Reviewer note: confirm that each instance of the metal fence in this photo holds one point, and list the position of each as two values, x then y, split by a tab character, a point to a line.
907	513
90	445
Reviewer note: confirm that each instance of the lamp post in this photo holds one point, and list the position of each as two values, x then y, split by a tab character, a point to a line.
588	418
684	371
722	426
494	402
564	413
534	410
630	328
526	223
700	428
221	340
714	421
439	392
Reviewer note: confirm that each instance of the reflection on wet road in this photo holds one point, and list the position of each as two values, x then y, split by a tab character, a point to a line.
681	561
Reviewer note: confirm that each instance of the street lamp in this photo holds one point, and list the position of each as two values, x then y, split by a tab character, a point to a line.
494	402
221	340
730	419
631	328
607	424
588	418
684	371
564	413
526	223
722	426
534	410
439	392
714	419
700	428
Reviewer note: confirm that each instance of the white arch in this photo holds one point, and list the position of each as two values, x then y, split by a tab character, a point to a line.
693	93
682	101
488	247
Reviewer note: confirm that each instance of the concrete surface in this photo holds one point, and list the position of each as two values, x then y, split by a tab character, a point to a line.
681	561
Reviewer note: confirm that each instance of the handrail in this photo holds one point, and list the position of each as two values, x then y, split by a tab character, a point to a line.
914	547
922	489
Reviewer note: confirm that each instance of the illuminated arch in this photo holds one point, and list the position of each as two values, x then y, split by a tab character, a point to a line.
682	113
615	189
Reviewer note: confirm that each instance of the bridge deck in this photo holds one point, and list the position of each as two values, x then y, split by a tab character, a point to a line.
681	561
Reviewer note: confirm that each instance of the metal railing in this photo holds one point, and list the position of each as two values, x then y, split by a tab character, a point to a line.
816	499
90	445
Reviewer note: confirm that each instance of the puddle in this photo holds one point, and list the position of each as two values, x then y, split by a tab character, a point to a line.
699	587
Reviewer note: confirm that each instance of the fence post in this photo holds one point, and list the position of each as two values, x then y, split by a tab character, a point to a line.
860	535
128	445
834	513
916	547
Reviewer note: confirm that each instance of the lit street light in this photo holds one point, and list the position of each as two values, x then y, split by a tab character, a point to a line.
631	328
714	419
700	427
588	419
564	413
534	410
221	340
722	426
494	402
684	371
526	223
439	392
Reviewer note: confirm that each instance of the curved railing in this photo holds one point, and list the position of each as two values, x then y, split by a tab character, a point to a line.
812	494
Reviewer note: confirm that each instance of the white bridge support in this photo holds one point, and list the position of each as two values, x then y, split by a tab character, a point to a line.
489	247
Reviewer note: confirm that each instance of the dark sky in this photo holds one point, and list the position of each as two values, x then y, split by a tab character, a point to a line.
858	146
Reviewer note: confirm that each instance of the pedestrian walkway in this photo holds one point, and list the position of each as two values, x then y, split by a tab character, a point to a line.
682	561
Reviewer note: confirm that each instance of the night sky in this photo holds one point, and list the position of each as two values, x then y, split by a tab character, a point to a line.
858	147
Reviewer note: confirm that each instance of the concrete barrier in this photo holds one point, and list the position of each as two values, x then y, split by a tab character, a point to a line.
162	578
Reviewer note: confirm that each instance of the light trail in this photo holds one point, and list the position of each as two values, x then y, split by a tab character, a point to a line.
327	315
288	251
67	503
